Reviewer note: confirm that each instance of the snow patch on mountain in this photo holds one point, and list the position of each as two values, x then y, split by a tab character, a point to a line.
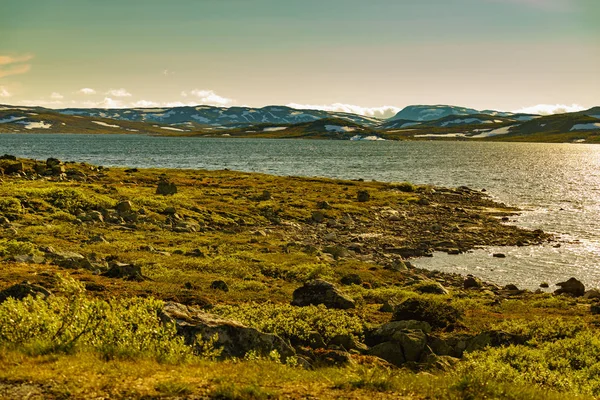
35	125
105	124
275	129
10	119
339	129
586	127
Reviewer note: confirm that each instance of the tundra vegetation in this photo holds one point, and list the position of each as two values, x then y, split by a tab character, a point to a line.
127	283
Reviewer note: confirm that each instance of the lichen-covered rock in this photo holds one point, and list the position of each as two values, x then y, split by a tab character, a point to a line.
124	271
22	290
387	332
321	292
233	338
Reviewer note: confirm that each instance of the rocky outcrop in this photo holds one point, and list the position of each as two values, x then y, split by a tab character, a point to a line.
321	292
233	338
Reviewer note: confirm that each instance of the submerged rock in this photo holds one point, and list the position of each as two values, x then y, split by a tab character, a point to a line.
321	292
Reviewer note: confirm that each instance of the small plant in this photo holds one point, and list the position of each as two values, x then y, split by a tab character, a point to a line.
174	388
405	187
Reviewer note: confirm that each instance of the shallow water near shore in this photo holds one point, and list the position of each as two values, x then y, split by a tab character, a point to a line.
557	185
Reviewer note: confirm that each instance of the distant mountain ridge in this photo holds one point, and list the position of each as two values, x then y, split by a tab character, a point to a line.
435	112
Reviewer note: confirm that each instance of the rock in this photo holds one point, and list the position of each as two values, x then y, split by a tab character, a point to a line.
389	351
13	167
387	332
472	282
351	279
389	305
397	266
331	358
266	195
124	271
96	216
323	205
435	312
8	157
594	308
431	287
337	251
315	340
123	207
22	290
592	294
510	286
321	292
53	162
442	363
453	251
27	258
499	255
219	285
97	239
166	188
544	285
233	338
347	342
318	216
572	287
413	344
363	196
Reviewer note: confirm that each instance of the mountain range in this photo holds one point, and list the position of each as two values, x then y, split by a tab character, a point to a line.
411	123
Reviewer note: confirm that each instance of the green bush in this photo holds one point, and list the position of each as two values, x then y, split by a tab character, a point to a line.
405	187
13	247
70	322
294	323
436	311
10	205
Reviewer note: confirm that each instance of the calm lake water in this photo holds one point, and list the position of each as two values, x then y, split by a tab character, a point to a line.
558	185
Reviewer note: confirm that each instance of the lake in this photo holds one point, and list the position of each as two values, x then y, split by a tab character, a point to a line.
557	185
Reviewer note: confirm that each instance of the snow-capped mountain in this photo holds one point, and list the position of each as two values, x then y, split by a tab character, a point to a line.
218	116
435	112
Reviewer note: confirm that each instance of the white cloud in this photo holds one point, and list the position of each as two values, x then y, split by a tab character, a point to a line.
118	93
4	92
378	112
208	97
547	109
86	91
56	96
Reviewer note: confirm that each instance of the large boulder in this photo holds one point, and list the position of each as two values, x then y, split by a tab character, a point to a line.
22	290
321	292
571	287
388	332
233	338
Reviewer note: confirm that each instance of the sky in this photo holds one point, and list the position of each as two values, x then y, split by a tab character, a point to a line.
370	57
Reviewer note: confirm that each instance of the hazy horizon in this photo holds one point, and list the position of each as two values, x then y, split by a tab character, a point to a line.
538	56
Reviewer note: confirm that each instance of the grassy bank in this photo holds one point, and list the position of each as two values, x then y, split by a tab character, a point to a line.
237	246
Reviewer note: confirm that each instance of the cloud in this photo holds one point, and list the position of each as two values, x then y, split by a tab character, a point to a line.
378	112
118	93
4	92
86	91
13	65
208	97
56	96
547	109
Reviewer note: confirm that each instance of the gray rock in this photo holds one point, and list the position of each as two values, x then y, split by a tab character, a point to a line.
27	258
318	216
387	332
321	292
219	285
592	294
124	271
389	351
233	338
472	282
347	342
123	207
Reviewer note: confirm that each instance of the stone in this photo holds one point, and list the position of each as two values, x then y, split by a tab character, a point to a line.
351	279
442	363
499	255
265	196
323	205
52	162
22	290
413	344
219	285
592	294
321	292
347	342
389	351
166	188
315	340
318	216
571	287
594	308
511	286
544	285
337	251
27	258
13	167
472	282
128	272
389	305
233	338
97	239
388	331
123	207
8	157
363	196
432	287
